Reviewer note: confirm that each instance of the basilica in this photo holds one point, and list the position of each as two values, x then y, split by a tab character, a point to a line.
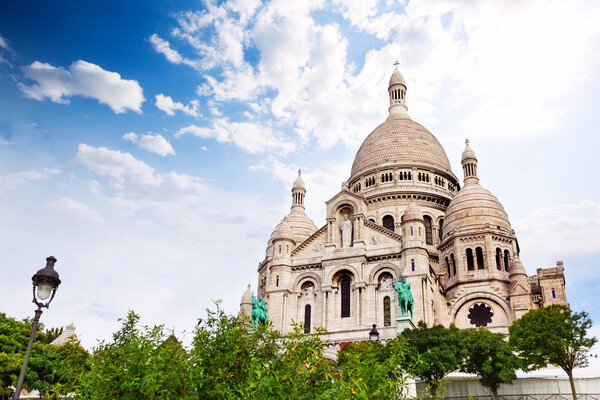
402	213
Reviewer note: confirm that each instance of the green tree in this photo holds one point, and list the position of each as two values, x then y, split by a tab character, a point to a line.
553	335
370	370
55	369
13	342
137	363
233	360
434	352
491	357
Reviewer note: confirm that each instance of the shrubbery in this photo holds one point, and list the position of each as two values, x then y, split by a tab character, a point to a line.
230	359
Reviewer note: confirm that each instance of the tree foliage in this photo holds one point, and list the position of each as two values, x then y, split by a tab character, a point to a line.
138	363
434	351
370	370
491	357
553	335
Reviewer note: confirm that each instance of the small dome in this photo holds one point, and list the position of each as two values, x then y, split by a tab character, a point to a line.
468	153
283	231
412	212
397	78
473	208
299	183
247	296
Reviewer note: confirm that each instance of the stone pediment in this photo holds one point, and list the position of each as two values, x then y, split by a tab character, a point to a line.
345	196
313	246
376	234
519	290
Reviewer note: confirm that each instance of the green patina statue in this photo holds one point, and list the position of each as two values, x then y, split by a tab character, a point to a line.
259	311
405	298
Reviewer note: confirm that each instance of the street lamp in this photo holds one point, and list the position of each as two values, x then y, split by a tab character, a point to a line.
45	283
373	334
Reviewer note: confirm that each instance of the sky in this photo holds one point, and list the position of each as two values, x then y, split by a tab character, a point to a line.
151	146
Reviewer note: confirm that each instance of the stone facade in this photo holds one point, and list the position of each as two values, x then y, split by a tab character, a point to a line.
401	214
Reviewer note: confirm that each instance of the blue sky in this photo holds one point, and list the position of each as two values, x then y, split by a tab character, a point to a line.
151	147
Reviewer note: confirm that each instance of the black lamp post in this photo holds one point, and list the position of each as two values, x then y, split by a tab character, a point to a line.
45	283
373	334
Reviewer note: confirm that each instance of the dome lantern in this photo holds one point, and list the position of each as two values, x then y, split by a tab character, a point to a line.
397	92
469	164
298	191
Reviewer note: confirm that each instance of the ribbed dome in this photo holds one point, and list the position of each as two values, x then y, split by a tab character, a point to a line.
296	225
400	141
282	231
474	207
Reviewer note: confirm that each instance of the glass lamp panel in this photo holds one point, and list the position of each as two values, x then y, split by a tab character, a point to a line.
43	290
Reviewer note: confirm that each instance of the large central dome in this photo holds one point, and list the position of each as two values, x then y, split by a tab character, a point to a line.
400	141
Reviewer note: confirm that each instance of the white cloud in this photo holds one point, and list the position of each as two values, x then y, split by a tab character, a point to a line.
166	104
5	47
154	143
162	46
114	163
12	180
135	178
248	136
321	183
82	79
80	210
561	230
447	53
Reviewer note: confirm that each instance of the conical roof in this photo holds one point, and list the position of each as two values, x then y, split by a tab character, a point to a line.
397	78
299	182
247	296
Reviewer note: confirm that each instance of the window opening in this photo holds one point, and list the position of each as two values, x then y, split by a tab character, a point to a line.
307	318
470	265
345	286
388	222
387	312
428	230
479	253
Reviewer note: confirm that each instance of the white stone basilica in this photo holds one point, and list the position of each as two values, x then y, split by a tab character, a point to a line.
401	214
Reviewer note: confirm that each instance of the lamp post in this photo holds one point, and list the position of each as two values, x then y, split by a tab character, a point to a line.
45	283
373	334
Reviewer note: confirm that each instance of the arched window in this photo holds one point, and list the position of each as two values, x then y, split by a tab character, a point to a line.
372	220
277	281
506	260
453	264
441	227
470	265
387	312
479	253
553	293
412	265
345	289
428	233
448	267
279	249
307	318
411	231
498	259
388	222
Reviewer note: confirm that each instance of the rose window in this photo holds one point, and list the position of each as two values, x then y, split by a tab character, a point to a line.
480	315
